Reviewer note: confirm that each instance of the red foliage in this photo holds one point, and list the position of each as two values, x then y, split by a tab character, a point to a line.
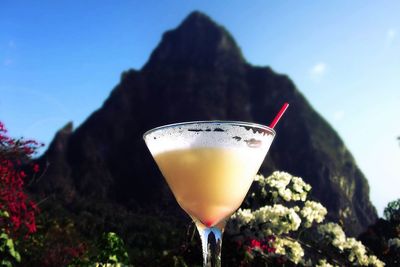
21	210
263	245
63	255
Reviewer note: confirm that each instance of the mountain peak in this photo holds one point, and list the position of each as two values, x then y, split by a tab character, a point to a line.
198	41
197	16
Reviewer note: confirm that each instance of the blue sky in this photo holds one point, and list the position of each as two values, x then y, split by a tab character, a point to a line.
59	60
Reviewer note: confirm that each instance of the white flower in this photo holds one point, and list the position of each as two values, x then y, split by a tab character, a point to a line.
357	251
301	188
292	249
238	219
276	219
288	187
245	215
279	179
286	194
258	178
313	211
267	220
374	261
324	263
334	233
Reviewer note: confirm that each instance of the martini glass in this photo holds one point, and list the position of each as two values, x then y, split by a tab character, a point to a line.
209	167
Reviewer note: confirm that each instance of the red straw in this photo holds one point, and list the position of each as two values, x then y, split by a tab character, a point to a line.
279	115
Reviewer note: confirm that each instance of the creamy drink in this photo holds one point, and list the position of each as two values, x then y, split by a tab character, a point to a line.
209	166
209	183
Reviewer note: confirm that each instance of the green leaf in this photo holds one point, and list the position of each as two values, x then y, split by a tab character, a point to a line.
10	244
4	236
113	258
16	255
4	214
5	263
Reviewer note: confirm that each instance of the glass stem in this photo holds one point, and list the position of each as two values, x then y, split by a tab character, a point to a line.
211	241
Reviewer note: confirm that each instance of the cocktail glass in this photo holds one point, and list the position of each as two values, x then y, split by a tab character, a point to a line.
209	167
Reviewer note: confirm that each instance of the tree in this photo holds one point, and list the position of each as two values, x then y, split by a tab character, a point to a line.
392	211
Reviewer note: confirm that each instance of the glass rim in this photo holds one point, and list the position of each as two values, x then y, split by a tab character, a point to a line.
238	123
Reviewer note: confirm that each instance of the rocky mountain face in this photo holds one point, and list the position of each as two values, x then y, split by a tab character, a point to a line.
198	72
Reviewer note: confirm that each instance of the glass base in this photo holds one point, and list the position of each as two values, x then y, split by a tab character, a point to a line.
211	241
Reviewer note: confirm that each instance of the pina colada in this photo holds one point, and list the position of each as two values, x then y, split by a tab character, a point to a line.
209	183
209	166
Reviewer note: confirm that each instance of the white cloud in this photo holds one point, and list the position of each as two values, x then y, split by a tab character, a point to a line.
318	70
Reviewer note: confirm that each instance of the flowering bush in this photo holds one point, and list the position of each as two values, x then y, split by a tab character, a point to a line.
21	210
284	221
356	251
17	211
